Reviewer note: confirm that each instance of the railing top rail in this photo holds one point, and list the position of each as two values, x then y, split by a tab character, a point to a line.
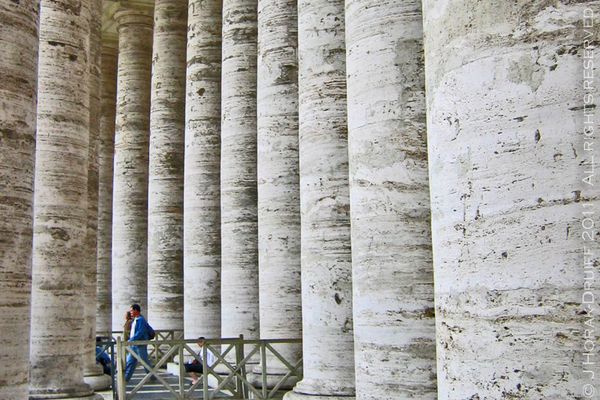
217	341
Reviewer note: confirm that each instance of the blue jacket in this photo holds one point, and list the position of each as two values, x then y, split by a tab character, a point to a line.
142	329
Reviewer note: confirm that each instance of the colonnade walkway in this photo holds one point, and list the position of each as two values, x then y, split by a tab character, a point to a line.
242	369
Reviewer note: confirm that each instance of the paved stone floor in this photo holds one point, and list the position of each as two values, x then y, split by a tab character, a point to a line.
154	390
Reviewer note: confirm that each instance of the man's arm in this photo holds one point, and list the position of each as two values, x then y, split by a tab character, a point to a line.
141	330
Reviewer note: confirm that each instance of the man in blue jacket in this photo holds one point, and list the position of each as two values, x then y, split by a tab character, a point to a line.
140	330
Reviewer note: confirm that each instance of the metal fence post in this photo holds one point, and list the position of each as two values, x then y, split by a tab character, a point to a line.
121	384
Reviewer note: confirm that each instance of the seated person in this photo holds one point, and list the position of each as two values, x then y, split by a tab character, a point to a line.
195	367
103	359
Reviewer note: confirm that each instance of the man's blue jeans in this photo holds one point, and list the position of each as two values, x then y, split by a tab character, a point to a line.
131	363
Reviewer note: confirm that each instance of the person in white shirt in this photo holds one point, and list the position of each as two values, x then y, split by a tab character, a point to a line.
195	367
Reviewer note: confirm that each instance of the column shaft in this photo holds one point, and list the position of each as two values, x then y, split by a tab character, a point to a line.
60	214
392	275
18	69
324	194
503	93
105	183
165	189
130	195
278	177
202	197
239	288
92	371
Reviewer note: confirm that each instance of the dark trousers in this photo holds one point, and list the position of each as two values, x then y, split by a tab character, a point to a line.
189	367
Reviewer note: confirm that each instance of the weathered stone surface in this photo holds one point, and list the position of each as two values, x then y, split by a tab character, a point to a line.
392	270
202	197
130	195
165	188
18	69
60	214
239	258
504	97
324	194
278	176
93	372
105	185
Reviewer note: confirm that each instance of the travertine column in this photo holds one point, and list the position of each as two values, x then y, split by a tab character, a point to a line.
504	98
165	188
202	198
60	214
93	372
326	260
392	270
18	69
239	288
278	178
130	211
106	145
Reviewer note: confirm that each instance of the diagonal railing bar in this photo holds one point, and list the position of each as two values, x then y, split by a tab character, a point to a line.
235	372
285	377
151	371
210	371
280	357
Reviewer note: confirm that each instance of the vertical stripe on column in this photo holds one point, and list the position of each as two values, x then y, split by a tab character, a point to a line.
18	69
130	190
93	372
392	275
239	251
202	213
324	194
504	98
60	213
278	178
106	145
165	188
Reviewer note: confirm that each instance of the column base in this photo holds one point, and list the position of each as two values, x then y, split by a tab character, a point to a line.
315	389
272	379
64	396
98	382
302	396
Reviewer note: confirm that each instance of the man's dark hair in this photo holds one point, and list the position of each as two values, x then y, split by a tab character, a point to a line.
200	338
136	307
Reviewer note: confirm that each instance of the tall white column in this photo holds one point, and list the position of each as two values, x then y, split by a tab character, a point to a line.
278	177
93	373
18	68
202	197
392	269
165	188
505	137
239	247
130	190
328	351
60	213
106	145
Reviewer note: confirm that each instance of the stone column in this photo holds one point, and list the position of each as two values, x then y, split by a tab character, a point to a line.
239	254
106	145
278	177
202	197
93	372
505	99
130	201
165	188
326	260
18	68
392	270
60	214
